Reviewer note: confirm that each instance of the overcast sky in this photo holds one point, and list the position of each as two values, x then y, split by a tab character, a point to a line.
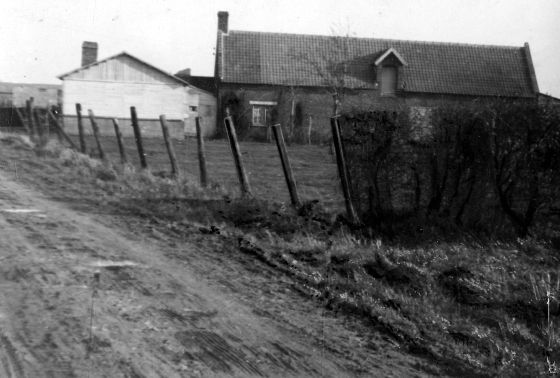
42	39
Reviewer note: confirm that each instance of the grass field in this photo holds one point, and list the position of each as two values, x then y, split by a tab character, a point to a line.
314	169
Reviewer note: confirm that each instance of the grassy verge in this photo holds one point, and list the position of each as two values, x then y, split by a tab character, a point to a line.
485	308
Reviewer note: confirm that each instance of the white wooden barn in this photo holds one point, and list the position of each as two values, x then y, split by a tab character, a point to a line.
109	88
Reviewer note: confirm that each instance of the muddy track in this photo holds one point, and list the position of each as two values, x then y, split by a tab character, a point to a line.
11	366
161	308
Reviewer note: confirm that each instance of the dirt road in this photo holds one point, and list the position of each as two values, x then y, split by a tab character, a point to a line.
163	308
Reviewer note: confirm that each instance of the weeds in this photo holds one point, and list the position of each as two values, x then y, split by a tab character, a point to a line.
508	332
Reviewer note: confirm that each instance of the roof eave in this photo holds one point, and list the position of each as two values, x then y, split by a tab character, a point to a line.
61	77
532	74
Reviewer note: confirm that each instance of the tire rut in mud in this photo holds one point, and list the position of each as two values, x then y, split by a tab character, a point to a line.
124	279
9	361
215	352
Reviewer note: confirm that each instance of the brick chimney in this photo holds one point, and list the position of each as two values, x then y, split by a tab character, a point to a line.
89	53
223	21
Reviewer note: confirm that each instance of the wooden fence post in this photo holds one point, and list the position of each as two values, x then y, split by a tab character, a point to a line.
55	110
96	134
288	174
81	129
40	130
138	137
23	120
201	157
61	131
232	137
120	142
47	125
343	170
169	145
29	104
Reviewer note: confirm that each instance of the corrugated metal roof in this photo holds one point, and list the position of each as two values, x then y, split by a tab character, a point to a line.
444	68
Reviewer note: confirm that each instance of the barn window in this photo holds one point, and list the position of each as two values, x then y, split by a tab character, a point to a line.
389	80
193	108
262	112
42	89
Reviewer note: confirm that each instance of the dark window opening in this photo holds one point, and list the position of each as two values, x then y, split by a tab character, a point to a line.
262	115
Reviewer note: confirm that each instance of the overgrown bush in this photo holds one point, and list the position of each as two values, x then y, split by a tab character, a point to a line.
490	167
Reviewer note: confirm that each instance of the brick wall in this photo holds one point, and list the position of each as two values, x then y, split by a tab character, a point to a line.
89	53
317	103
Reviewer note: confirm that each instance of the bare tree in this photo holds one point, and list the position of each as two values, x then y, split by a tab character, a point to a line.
331	64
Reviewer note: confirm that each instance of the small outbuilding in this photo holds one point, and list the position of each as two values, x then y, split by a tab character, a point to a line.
15	94
111	86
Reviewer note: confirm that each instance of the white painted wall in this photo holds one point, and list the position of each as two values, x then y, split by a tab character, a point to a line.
205	107
114	99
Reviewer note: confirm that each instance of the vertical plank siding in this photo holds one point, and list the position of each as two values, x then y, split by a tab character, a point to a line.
207	109
114	99
121	68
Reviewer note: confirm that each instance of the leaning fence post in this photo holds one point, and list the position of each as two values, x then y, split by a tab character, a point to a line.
286	165
169	145
23	120
343	170
138	137
201	157
96	134
40	130
29	104
122	151
232	137
47	125
81	128
56	111
61	131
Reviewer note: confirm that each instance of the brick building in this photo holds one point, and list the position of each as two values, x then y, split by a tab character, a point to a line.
284	78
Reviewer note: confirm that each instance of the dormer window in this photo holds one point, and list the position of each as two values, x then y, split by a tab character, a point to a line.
389	80
389	64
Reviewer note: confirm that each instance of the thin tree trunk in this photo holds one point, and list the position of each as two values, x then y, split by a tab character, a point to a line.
309	130
292	118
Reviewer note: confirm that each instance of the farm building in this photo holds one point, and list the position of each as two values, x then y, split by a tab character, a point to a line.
14	95
111	86
289	76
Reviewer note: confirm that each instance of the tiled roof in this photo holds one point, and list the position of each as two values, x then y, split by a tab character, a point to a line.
446	68
206	83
